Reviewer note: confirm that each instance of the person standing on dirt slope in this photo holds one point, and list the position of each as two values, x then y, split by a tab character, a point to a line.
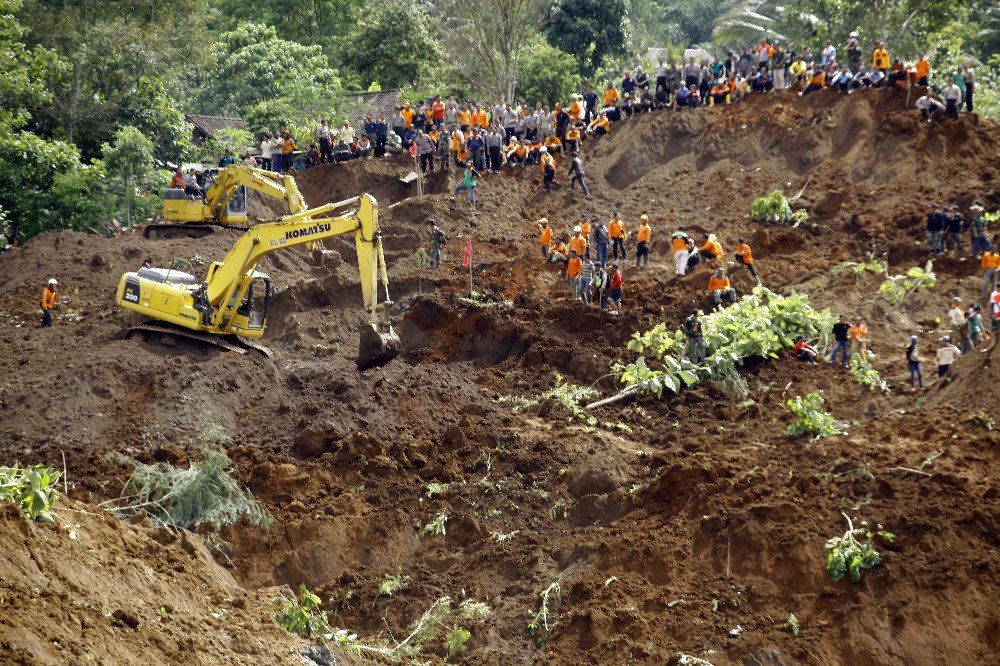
841	340
477	147
975	325
601	241
381	136
616	286
546	236
989	263
913	362
601	284
859	338
804	351
970	86
425	150
287	150
923	67
952	98
586	279
744	257
468	183
548	166
720	289
679	246
48	302
578	241
880	58
438	238
694	348
574	267
323	137
935	225
577	174
946	355
642	237
977	229
617	233
265	152
854	53
953	226
957	320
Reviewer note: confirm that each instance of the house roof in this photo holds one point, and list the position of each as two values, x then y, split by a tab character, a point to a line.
209	125
381	103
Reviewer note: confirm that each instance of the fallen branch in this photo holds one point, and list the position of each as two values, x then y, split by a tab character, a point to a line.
908	469
628	392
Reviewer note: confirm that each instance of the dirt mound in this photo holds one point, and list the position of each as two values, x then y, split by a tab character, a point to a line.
667	524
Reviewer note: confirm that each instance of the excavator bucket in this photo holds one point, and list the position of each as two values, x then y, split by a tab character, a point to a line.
377	347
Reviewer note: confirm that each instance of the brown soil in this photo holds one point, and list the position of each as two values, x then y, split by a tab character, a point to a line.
704	517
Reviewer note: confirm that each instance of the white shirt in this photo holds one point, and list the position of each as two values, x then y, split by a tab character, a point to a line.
323	132
829	54
956	316
946	355
347	134
927	102
952	93
265	149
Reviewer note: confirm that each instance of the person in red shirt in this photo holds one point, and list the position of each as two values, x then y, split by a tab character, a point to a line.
615	287
804	352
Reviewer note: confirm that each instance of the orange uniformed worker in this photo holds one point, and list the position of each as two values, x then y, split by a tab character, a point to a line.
617	234
546	236
744	256
578	242
573	269
859	338
719	288
711	248
48	302
642	236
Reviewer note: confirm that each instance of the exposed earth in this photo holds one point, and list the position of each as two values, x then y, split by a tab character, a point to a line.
695	516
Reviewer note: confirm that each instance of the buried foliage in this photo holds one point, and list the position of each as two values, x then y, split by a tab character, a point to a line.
776	207
540	623
31	489
569	395
897	288
302	615
760	325
854	551
812	419
204	494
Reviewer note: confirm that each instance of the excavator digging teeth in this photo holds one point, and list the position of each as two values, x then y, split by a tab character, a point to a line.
377	348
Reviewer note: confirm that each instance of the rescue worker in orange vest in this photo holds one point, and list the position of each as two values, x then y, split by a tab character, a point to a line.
573	269
48	302
880	58
548	164
617	234
553	143
573	138
744	257
546	236
575	110
600	125
720	92
679	246
711	248
611	96
859	338
642	236
719	288
923	67
407	114
559	251
585	227
817	82
578	241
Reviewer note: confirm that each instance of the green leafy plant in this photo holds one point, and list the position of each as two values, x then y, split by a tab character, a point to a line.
473	610
811	419
434	489
30	488
793	624
455	640
204	494
897	288
983	419
436	526
392	584
539	625
301	614
858	269
761	324
854	551
865	374
776	207
570	396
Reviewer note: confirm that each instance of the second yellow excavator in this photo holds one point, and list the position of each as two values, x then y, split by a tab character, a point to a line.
224	203
234	298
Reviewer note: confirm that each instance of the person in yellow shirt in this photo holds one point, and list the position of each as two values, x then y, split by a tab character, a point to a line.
617	234
572	138
880	58
744	257
465	118
611	96
600	125
642	236
720	289
578	242
546	236
711	248
407	114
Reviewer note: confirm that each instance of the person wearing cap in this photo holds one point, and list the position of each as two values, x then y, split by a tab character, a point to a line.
977	229
953	229
804	351
946	355
573	269
546	236
989	263
48	302
914	364
859	338
841	340
679	247
719	288
548	165
744	257
578	241
616	285
577	173
642	236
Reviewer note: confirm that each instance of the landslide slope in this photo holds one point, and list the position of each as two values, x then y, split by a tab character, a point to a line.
668	523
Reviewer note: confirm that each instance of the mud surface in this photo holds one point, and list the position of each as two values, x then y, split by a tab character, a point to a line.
698	516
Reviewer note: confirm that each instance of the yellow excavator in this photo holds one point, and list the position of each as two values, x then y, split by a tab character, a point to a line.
224	203
230	306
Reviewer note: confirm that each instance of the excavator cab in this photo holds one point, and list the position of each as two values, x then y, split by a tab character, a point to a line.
256	304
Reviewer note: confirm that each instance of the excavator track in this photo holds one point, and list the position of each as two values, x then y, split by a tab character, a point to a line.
164	333
171	231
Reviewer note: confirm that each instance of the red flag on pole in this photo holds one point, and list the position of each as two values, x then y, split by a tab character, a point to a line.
467	260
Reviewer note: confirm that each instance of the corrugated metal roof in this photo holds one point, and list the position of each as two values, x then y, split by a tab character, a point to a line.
381	103
209	125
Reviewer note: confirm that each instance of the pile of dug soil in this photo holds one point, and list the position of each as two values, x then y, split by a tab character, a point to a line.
667	523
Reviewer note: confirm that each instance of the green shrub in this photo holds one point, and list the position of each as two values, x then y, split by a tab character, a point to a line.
776	207
854	552
811	419
30	488
897	288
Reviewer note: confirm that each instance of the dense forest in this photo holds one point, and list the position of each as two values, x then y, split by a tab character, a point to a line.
93	94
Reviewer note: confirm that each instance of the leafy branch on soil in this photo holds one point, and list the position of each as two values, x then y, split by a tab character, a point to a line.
30	488
854	552
569	395
436	526
392	584
983	419
897	288
538	620
865	374
429	626
760	325
858	269
203	494
776	207
435	488
302	615
812	419
793	624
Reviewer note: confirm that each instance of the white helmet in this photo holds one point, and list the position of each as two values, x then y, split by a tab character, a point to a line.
53	281
577	229
543	149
